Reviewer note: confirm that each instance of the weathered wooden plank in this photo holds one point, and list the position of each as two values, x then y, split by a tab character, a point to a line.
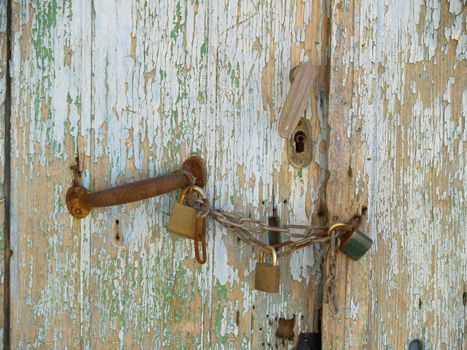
46	126
175	78
3	111
133	88
398	97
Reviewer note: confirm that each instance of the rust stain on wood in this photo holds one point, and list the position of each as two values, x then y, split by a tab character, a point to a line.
285	328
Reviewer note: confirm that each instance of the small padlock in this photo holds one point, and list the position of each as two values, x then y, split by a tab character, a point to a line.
267	276
354	243
182	221
187	222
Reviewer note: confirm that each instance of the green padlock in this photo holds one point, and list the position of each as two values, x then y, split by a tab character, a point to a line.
355	244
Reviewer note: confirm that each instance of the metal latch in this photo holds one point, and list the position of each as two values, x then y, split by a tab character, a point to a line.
80	201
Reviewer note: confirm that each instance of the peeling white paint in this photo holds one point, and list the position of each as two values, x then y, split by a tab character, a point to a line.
405	133
223	271
133	88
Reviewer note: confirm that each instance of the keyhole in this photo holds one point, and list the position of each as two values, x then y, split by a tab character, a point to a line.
299	139
415	344
117	234
299	145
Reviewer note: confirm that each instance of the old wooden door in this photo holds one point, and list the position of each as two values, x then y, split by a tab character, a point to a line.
131	89
397	115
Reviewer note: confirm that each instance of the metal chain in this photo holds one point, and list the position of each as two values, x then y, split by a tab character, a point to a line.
239	227
330	271
244	229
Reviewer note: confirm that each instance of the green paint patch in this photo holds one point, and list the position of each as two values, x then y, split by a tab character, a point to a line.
222	291
234	73
204	48
174	114
177	22
51	18
222	298
181	79
43	69
2	237
178	11
78	102
202	97
182	95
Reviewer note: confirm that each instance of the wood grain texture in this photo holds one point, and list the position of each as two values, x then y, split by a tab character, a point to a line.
3	97
133	88
398	106
47	122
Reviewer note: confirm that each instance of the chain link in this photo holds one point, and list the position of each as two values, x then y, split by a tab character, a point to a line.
244	229
330	272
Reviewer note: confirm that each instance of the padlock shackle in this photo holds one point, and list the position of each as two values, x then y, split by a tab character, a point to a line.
335	227
197	189
267	277
272	251
200	237
261	257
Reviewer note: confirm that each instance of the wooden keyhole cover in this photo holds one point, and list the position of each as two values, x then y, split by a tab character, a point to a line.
302	78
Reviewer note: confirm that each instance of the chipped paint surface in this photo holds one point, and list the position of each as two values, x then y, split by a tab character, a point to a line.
134	88
398	107
3	71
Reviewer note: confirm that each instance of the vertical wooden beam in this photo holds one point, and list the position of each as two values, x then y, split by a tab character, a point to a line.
345	195
398	96
5	149
175	77
46	125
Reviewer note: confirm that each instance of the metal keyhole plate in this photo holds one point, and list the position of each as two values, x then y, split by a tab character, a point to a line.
299	145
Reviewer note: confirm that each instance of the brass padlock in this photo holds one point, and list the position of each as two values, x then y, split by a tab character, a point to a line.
267	276
355	244
182	221
187	222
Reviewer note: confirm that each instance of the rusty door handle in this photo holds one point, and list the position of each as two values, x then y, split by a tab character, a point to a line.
80	201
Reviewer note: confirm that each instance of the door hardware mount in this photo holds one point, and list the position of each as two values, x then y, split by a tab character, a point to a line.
300	146
302	78
293	125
